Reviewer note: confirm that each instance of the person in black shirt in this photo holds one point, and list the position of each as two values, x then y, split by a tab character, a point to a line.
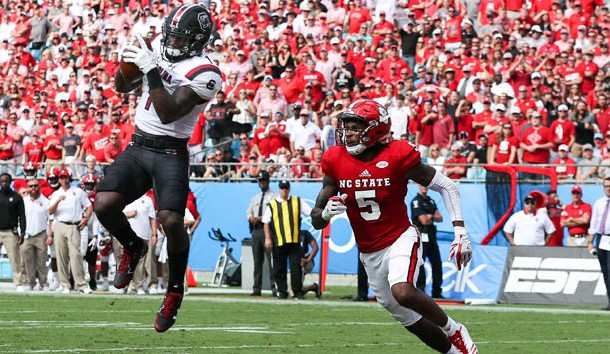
12	228
424	214
408	38
480	155
220	119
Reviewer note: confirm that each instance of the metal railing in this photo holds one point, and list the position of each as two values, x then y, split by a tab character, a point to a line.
281	171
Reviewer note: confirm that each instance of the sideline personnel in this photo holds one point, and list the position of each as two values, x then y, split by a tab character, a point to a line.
12	217
576	218
255	216
424	214
600	230
282	219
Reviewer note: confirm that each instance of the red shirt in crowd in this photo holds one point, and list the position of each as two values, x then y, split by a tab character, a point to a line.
95	143
565	168
538	136
576	211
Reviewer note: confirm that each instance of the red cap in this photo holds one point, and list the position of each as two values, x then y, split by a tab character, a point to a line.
577	189
64	173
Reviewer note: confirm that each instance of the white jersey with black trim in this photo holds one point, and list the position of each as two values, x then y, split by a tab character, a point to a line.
199	73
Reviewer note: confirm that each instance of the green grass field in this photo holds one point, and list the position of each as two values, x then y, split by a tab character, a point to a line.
39	323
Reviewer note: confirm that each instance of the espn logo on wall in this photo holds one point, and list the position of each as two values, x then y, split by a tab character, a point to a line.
552	275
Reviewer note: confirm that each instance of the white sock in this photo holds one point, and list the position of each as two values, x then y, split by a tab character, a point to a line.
450	327
55	276
160	282
105	281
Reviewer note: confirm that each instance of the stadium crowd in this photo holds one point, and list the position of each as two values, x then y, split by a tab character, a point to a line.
491	81
468	82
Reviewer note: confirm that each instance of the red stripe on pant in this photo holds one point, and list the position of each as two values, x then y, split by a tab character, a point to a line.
413	263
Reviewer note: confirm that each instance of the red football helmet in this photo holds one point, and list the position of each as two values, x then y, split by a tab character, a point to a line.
53	177
375	121
30	169
89	182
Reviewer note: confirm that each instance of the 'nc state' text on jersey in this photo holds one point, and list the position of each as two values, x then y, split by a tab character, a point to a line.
165	76
364	183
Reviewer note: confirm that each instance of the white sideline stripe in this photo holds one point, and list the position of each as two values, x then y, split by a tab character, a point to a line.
325	345
217	347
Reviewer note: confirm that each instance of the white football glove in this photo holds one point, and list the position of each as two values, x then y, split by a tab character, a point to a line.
335	206
92	244
142	57
461	249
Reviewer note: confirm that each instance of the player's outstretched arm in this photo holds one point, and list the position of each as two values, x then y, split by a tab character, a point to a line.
461	249
329	189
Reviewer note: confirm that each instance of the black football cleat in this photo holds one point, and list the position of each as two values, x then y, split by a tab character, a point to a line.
127	266
166	316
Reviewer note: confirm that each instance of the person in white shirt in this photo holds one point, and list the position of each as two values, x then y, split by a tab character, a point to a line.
528	227
141	216
600	230
34	248
71	210
399	115
304	132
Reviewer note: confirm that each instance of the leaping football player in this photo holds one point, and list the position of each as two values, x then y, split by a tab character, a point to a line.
370	172
179	80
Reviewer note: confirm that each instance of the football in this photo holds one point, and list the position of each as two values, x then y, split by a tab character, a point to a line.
130	71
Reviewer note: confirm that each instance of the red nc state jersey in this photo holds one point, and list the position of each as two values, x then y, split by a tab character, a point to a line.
375	191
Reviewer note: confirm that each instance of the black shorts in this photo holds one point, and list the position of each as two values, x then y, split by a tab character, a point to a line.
139	168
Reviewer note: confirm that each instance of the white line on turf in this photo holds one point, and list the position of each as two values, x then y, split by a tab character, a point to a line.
322	346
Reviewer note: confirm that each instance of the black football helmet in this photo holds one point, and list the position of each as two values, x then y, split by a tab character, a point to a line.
188	23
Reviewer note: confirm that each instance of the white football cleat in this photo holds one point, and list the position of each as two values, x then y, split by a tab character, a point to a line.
462	341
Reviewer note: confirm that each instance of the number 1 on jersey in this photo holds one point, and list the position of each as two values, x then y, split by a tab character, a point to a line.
366	199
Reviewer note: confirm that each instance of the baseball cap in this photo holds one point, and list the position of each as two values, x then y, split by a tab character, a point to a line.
530	198
284	184
64	173
263	175
338	103
598	136
563	147
587	147
507	56
69	125
218	42
577	189
515	110
335	40
240	52
562	107
501	107
536	28
536	75
55	124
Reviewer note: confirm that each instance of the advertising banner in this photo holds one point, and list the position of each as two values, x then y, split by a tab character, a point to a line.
552	275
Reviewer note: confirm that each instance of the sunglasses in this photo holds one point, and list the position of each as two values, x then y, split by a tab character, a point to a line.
530	201
33	186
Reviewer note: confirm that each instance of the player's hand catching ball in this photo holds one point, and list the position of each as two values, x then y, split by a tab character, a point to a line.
141	56
335	206
461	249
